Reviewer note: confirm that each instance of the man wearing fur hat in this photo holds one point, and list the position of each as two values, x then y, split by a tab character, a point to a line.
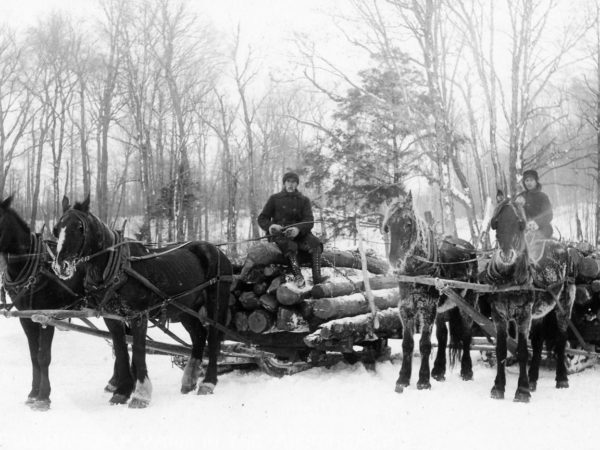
288	219
536	204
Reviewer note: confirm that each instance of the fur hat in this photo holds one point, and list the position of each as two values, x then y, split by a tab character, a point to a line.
531	173
291	176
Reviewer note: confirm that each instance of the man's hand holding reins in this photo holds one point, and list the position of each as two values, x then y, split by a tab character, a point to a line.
275	229
291	232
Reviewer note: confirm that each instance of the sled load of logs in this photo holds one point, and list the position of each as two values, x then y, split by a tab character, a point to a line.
334	315
585	261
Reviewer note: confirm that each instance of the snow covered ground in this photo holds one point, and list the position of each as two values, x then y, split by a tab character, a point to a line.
345	407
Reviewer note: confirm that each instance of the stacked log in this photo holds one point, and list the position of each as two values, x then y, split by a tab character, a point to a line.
334	314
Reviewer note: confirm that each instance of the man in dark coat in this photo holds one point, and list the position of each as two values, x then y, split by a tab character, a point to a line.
288	219
538	210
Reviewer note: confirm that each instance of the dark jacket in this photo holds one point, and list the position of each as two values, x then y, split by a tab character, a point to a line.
287	208
538	208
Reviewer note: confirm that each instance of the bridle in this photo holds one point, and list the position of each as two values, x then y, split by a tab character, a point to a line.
420	233
518	245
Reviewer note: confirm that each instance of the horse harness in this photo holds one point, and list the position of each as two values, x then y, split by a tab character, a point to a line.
118	270
33	278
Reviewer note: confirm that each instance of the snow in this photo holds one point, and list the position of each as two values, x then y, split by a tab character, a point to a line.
345	406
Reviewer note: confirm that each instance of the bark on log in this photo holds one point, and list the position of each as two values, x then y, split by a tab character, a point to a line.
353	304
357	328
275	283
266	253
350	259
271	271
249	300
589	268
336	289
269	302
288	294
260	321
260	288
240	321
290	320
582	294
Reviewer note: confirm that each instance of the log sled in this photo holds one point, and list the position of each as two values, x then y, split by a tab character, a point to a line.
300	323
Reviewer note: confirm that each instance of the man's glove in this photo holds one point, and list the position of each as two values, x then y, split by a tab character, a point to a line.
532	226
291	232
275	229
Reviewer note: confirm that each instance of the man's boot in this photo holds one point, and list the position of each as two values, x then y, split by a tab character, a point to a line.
316	268
298	278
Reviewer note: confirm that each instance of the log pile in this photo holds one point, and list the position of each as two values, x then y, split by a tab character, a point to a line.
331	315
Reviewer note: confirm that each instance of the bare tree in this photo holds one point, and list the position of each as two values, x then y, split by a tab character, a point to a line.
15	102
189	71
244	73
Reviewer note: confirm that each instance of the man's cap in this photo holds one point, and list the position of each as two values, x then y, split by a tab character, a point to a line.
291	176
531	173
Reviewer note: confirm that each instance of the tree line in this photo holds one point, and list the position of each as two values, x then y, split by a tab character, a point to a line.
158	114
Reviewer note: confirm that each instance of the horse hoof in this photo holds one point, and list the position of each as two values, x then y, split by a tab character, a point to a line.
533	386
399	388
187	389
30	401
206	389
110	388
118	399
422	385
138	403
497	394
40	405
467	376
438	376
563	384
522	397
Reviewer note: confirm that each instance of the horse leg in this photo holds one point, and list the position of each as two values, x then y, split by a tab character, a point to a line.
466	364
44	357
32	331
501	335
111	385
40	349
562	379
143	387
537	342
567	299
425	347
439	365
217	306
407	317
122	377
193	367
522	394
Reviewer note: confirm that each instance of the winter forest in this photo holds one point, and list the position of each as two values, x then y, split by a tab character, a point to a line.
162	115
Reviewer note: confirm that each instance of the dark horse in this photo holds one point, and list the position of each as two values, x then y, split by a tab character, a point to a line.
545	287
179	283
414	251
32	285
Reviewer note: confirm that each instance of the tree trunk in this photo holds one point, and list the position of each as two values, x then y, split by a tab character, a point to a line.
356	329
353	304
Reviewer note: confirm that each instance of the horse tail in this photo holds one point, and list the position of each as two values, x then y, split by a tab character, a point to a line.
457	331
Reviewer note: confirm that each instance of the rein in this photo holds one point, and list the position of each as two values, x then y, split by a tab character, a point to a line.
118	268
29	276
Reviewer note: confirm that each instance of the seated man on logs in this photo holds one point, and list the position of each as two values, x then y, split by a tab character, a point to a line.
288	219
537	206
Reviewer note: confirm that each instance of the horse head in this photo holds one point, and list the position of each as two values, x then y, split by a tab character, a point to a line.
410	237
14	232
510	256
79	235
